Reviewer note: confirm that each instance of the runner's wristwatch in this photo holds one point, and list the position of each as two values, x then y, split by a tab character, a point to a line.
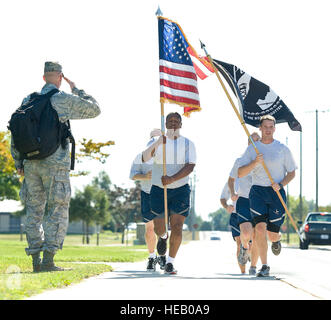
281	186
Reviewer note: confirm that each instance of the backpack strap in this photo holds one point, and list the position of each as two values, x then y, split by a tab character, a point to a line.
50	93
66	134
73	146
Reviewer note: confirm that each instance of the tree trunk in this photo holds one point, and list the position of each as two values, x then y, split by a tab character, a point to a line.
83	231
98	232
87	234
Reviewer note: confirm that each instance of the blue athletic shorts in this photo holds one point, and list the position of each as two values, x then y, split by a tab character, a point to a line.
234	225
178	201
243	210
145	202
266	207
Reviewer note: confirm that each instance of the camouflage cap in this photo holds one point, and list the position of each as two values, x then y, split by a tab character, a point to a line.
51	66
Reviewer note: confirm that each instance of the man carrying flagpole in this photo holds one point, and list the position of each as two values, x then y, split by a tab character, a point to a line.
266	208
179	66
180	162
262	101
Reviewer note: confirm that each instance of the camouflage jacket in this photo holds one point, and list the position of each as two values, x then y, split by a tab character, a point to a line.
77	105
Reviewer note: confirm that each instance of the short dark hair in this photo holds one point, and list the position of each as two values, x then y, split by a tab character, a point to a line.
267	117
174	114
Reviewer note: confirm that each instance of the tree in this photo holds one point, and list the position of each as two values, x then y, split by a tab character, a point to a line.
91	206
126	206
103	181
220	219
206	226
190	221
9	180
293	204
90	150
326	208
123	203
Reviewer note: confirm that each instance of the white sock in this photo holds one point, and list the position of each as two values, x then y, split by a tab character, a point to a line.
152	255
165	236
170	260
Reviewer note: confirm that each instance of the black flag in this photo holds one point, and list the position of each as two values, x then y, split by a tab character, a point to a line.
255	98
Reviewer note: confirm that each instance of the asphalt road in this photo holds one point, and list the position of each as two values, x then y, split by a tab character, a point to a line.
207	270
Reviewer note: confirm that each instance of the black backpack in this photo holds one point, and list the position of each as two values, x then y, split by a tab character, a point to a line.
36	130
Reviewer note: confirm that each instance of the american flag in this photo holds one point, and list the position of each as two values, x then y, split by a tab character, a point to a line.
179	67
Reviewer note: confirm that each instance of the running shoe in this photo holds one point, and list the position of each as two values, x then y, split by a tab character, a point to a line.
264	271
151	264
276	247
161	246
169	269
243	255
162	262
252	271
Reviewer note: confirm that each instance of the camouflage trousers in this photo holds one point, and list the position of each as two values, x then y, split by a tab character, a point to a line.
46	195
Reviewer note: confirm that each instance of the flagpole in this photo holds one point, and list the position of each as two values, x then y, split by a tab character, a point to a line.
159	13
249	136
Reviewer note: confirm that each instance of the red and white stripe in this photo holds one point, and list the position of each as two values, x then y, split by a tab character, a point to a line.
201	65
178	82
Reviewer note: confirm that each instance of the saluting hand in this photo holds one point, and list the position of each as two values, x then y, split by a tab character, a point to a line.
71	84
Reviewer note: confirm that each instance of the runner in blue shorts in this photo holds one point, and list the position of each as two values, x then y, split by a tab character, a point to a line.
235	230
180	163
266	208
248	248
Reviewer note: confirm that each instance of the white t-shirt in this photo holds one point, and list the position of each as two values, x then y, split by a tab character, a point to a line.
178	153
244	183
277	157
139	167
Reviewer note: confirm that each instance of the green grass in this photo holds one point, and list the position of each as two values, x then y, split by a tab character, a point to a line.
17	281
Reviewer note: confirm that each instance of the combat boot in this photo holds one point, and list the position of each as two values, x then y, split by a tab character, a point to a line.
48	263
36	261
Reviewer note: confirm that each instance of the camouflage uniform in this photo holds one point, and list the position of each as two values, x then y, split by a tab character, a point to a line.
46	186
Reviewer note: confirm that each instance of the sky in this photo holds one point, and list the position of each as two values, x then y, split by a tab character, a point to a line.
110	49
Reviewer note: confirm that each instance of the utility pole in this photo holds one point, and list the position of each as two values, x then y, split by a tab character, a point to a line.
316	113
316	201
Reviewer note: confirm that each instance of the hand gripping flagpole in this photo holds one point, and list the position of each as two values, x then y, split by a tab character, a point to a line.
249	136
158	14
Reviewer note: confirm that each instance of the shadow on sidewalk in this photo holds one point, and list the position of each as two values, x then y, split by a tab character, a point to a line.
139	274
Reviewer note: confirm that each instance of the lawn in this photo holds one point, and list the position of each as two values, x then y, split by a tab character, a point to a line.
17	281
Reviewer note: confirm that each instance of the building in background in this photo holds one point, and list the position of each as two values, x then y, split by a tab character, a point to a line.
10	223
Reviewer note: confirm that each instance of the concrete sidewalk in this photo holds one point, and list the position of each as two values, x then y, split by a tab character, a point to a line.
207	270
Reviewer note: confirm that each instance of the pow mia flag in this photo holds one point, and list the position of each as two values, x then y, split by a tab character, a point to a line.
255	98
